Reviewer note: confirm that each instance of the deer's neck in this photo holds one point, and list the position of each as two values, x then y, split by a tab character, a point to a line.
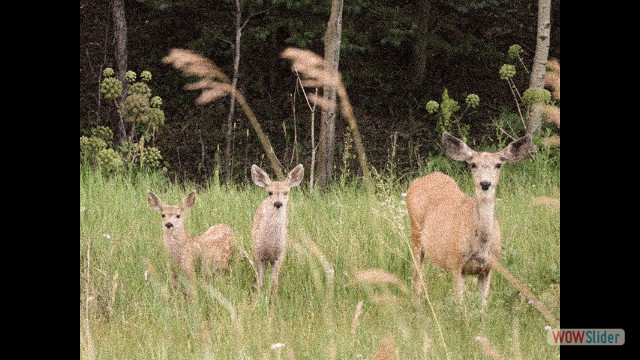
485	217
175	241
274	222
272	215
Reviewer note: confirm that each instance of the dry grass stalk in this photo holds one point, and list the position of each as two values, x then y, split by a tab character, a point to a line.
320	101
314	68
316	73
215	85
203	336
89	344
547	201
356	317
387	349
426	344
386	299
517	352
326	265
552	114
114	288
552	77
433	312
527	293
290	354
378	276
233	314
488	348
193	64
149	269
245	255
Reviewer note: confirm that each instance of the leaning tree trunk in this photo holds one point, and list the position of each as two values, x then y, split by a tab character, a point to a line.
326	146
539	67
120	33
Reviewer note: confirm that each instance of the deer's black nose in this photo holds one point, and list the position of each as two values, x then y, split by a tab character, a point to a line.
485	185
168	225
277	204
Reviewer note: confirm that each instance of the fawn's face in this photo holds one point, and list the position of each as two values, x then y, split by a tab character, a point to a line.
172	216
278	190
278	194
486	166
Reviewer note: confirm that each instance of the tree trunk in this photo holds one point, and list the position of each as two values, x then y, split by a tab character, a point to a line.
326	149
420	59
120	33
232	103
539	67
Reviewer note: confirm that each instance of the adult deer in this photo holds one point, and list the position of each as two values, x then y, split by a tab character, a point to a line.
457	232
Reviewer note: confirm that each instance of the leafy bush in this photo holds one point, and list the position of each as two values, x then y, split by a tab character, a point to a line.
139	107
445	110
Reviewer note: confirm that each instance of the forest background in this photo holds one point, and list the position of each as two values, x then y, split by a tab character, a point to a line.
394	57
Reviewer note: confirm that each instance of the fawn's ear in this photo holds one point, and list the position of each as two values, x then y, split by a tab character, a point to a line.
456	148
154	202
259	177
188	201
517	149
295	176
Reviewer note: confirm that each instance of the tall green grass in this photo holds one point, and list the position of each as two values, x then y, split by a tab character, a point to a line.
328	306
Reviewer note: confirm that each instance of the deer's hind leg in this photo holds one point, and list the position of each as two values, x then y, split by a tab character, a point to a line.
484	279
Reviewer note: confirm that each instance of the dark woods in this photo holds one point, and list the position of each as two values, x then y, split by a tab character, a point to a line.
395	56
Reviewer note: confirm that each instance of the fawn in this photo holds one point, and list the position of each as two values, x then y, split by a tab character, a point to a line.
214	246
457	232
270	223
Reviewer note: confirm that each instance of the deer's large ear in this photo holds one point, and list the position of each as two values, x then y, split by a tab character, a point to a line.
295	176
154	202
259	177
456	148
517	149
188	201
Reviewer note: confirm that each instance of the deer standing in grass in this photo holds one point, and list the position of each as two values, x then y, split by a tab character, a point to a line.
270	223
457	232
214	246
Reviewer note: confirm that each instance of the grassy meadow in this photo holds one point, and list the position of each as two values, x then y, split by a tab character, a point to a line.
345	286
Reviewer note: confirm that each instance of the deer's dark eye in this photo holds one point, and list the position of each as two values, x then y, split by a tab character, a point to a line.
286	193
178	216
473	165
498	166
162	215
270	193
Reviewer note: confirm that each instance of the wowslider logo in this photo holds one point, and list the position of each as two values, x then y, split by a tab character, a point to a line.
585	336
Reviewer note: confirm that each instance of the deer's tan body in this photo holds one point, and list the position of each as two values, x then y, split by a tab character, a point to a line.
214	247
458	242
455	231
